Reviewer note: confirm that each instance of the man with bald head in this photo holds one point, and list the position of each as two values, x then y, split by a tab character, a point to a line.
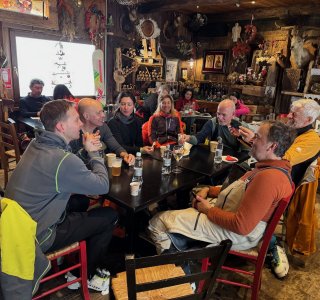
219	126
93	118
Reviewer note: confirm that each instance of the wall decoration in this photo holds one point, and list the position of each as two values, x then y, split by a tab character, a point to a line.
214	61
95	22
37	8
148	29
61	74
171	70
184	73
5	74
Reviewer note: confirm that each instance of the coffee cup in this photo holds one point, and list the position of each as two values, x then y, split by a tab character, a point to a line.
116	167
110	159
213	146
162	149
134	188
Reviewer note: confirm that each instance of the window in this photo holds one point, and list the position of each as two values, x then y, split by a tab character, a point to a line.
54	61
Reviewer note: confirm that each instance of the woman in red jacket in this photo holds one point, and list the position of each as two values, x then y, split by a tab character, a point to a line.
165	124
186	101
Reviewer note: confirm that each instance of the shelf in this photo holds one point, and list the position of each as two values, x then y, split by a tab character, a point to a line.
150	64
290	93
315	72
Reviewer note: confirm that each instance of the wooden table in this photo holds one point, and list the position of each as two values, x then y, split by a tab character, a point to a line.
190	119
201	160
33	123
155	187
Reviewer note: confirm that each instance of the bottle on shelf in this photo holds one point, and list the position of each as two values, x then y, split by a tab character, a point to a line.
138	164
166	166
219	150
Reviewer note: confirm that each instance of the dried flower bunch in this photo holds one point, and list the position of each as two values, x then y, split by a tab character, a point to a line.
240	50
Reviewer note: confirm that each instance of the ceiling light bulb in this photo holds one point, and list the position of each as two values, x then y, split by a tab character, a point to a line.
253	2
238	4
197	6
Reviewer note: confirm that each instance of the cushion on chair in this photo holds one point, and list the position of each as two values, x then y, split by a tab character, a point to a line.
11	153
54	254
119	284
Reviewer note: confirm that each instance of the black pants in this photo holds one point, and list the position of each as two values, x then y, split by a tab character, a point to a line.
94	226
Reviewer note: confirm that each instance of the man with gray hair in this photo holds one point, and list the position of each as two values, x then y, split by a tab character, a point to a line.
219	126
242	210
151	103
306	146
31	105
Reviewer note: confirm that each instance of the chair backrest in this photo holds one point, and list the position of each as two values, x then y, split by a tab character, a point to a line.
5	106
145	135
279	211
217	255
9	139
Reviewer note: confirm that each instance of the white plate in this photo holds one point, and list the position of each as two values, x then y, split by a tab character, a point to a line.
224	158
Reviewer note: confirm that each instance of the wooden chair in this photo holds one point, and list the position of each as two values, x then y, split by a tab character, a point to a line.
9	147
6	105
256	256
148	276
80	248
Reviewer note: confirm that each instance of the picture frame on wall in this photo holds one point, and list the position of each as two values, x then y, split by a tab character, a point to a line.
36	8
184	73
171	70
214	61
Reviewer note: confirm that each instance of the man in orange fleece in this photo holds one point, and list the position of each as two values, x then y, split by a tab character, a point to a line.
242	210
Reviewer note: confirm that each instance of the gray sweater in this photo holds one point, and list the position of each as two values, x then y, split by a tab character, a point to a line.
46	176
212	129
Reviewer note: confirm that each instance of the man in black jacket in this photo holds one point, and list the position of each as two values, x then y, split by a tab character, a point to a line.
31	105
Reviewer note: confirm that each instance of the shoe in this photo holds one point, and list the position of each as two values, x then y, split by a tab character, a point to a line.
100	281
70	277
279	263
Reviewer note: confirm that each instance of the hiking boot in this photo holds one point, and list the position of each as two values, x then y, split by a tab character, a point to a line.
279	263
71	277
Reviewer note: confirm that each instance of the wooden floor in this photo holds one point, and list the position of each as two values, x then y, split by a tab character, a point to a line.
302	282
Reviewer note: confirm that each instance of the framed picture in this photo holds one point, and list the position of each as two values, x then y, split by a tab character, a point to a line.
171	70
32	7
214	61
184	73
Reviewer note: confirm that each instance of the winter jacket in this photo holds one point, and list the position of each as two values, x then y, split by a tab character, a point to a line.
301	221
46	176
30	106
129	136
212	130
164	128
22	262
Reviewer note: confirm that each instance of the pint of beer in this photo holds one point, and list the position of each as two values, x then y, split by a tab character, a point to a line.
116	167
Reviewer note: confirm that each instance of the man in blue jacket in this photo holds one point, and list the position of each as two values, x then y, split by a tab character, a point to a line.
49	173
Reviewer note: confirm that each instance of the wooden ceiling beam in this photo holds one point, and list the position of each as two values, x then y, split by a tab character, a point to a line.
180	5
269	13
242	14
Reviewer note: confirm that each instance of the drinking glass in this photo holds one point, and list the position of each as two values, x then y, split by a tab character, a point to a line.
177	154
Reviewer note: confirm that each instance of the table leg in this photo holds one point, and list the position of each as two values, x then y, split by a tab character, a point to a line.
131	232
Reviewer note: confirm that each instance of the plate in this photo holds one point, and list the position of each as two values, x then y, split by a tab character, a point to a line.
224	158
